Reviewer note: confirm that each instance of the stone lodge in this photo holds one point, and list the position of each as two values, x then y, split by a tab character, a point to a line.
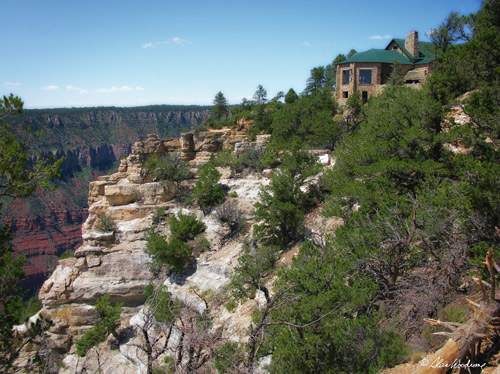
368	72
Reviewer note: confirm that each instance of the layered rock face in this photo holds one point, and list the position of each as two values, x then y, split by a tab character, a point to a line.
100	157
92	127
115	262
92	141
48	235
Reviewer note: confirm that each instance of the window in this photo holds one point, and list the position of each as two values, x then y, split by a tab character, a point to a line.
365	76
364	96
345	76
345	94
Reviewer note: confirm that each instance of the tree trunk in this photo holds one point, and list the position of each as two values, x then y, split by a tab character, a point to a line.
464	337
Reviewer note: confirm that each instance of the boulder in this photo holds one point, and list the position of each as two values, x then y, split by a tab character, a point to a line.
120	195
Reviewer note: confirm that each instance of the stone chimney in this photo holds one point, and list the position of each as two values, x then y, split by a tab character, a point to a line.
411	43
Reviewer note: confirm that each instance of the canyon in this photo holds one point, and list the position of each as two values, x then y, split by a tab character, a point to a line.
92	141
115	262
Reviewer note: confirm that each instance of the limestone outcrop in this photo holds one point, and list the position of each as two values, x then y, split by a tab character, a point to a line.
92	141
115	262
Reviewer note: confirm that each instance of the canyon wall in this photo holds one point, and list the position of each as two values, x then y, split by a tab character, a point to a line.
92	141
115	263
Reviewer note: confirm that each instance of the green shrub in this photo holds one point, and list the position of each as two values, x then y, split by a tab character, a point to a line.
200	128
199	245
231	305
174	254
161	304
158	215
32	306
185	226
207	191
228	358
168	167
225	158
229	214
450	313
270	158
283	204
105	223
108	322
249	159
90	339
67	254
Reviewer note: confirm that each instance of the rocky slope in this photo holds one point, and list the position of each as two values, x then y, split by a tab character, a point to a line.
115	262
92	141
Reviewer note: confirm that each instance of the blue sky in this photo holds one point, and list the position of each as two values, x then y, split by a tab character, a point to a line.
69	53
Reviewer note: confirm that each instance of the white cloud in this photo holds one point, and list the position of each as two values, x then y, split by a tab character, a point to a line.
12	84
306	44
79	89
175	40
139	88
179	41
114	89
380	37
51	87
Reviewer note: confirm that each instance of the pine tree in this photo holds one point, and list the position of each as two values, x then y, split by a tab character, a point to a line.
220	109
18	178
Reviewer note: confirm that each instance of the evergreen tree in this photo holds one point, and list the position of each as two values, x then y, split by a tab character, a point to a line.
280	212
308	120
450	31
316	81
262	116
260	95
324	323
108	321
18	178
473	67
207	191
220	108
291	96
331	69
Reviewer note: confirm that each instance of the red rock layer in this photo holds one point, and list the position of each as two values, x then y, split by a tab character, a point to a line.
43	238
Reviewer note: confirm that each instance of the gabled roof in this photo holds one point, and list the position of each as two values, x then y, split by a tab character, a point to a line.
388	56
425	49
378	55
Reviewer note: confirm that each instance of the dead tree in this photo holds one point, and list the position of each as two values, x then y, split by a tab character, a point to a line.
179	330
466	339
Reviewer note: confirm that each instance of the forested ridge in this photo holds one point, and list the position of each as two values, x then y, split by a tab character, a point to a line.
417	195
70	128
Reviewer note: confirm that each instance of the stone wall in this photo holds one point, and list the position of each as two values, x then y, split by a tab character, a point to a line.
378	74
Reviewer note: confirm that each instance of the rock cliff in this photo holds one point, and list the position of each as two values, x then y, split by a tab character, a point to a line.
92	141
115	262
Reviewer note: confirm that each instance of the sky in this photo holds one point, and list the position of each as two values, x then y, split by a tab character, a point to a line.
80	53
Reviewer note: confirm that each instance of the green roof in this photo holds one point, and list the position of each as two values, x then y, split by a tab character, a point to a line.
378	55
422	46
388	56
